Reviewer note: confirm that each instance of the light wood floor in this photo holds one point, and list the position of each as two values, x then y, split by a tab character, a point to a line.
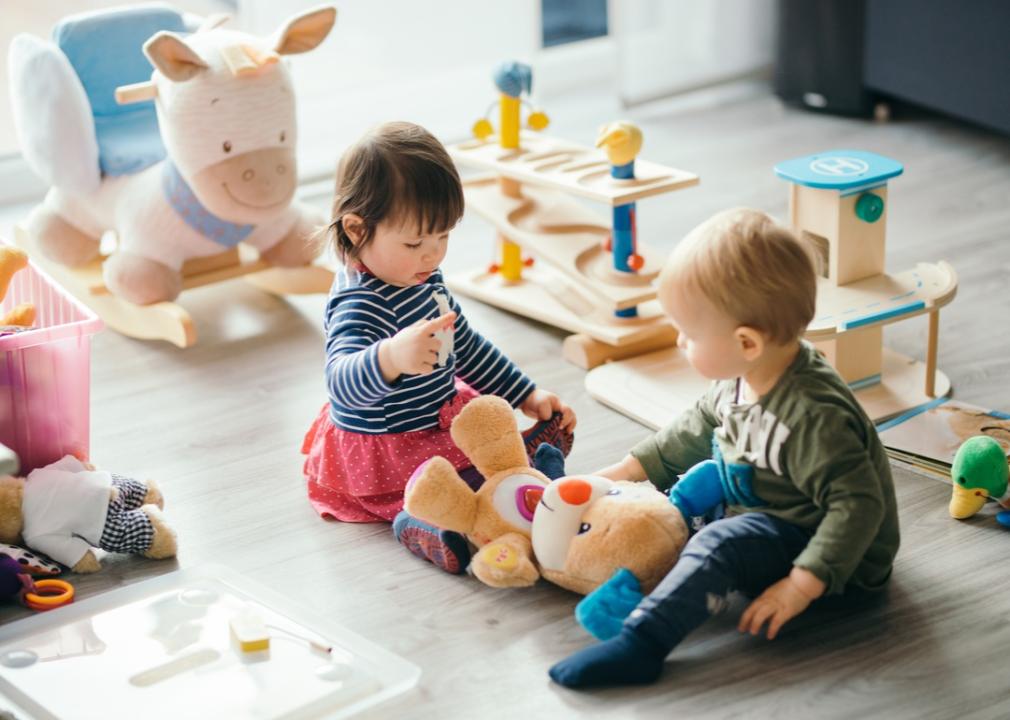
219	425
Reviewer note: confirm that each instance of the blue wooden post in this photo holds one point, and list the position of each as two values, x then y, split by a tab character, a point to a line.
624	234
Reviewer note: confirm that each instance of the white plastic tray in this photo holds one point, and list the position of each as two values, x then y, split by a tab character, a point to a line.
162	649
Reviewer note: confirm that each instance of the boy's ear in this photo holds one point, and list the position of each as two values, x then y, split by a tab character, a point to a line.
354	226
751	342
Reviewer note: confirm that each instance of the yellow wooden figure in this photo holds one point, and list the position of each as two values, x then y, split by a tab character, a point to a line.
512	79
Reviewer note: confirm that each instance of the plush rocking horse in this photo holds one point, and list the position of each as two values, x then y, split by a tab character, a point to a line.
182	180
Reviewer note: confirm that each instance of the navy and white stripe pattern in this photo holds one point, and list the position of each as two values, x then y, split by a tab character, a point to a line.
127	528
362	311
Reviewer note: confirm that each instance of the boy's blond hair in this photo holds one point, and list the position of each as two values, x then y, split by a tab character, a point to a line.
749	267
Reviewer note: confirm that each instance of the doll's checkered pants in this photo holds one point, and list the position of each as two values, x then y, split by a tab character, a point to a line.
128	529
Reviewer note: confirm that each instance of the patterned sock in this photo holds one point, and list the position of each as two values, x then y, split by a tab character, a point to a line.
628	659
447	549
550	432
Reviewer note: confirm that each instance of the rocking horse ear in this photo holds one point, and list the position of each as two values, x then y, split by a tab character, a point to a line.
173	57
304	32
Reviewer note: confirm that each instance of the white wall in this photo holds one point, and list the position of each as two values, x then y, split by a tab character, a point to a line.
668	46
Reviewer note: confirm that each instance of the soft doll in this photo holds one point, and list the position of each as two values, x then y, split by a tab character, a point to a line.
67	508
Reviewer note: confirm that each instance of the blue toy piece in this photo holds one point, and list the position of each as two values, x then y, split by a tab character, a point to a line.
513	78
842	170
549	460
602	612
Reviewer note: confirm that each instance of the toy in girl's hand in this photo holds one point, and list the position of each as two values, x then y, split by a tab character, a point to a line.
66	509
22	316
979	473
444	336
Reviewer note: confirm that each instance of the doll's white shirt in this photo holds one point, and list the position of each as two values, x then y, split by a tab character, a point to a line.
64	508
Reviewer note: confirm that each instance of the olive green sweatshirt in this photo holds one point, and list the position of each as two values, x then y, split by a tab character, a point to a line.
817	462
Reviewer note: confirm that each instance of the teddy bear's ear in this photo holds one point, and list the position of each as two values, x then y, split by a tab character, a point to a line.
486	431
438	495
506	562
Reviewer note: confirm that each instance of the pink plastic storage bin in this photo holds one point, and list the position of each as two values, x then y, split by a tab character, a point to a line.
45	373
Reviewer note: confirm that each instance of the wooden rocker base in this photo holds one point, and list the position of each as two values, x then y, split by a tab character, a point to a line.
654	388
167	320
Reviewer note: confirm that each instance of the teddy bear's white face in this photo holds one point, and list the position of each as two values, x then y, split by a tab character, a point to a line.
558	519
516	498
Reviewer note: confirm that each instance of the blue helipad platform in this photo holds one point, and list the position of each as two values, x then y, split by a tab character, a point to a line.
839	170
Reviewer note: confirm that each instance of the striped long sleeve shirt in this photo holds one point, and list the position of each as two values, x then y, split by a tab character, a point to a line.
361	312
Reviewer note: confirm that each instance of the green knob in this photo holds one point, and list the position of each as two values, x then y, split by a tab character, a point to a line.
869	207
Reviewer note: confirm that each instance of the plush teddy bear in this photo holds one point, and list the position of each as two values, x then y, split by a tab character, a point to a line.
67	508
576	531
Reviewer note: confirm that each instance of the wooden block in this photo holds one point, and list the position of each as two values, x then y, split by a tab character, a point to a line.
859	249
852	248
249	631
857	356
587	353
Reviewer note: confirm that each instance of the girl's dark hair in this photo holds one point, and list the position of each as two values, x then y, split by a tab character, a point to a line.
398	170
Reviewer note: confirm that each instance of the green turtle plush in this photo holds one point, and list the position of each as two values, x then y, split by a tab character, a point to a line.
980	472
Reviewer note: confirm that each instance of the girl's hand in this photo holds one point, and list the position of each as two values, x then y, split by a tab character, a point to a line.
781	602
541	404
413	350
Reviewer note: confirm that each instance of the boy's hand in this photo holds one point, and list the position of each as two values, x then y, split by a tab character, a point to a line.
541	404
413	350
628	469
781	602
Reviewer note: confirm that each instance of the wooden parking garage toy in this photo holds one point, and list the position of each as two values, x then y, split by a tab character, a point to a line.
837	203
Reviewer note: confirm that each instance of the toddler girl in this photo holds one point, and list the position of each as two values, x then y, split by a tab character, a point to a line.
401	359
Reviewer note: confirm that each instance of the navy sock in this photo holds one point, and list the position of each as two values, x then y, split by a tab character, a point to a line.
628	659
447	549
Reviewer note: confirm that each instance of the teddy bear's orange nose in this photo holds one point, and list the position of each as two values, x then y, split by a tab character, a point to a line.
574	491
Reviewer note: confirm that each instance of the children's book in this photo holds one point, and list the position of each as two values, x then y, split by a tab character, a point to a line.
929	439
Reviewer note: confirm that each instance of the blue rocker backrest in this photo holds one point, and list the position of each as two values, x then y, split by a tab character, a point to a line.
105	49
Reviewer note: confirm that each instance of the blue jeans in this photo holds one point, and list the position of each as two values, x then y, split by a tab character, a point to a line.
746	553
